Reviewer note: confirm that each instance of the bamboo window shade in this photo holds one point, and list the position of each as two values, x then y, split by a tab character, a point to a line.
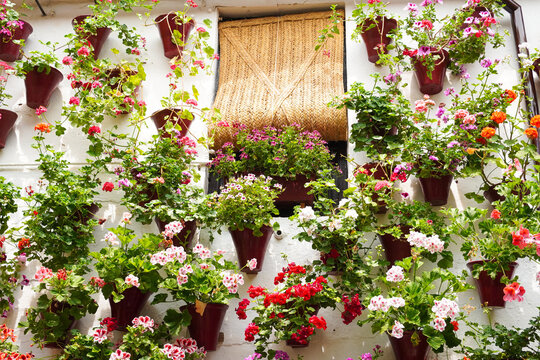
270	74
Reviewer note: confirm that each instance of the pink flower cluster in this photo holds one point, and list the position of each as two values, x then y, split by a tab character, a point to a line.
182	276
111	238
145	322
395	274
43	273
523	239
380	303
231	281
100	335
132	280
173	352
173	253
172	229
204	253
433	243
443	309
514	291
120	355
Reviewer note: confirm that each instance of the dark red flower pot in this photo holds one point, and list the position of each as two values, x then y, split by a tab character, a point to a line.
185	237
205	329
377	36
295	344
492	195
40	86
161	117
433	84
492	290
294	190
404	349
249	246
396	249
96	40
166	24
9	51
436	190
7	120
129	307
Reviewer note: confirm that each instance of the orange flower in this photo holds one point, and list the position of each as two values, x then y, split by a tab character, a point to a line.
23	243
535	121
487	132
498	117
43	127
509	95
531	133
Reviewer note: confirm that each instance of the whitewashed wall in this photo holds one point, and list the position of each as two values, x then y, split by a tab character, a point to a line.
339	341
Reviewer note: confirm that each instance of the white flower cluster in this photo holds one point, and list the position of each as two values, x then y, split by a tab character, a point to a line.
173	253
397	330
204	253
395	274
172	229
173	352
231	281
111	238
380	303
306	214
145	321
432	243
182	277
132	280
444	308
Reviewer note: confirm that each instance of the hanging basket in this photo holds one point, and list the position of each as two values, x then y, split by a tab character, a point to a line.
491	290
205	328
404	349
396	249
164	116
436	189
129	307
433	84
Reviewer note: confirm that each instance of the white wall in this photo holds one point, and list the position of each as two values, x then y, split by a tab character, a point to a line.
339	341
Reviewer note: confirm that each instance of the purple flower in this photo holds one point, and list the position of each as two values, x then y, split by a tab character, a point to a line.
452	143
449	91
413	8
405	195
424	50
484	14
469	20
124	182
485	63
22	258
440	112
254	356
390	78
468	31
433	158
463	72
25	281
281	355
366	356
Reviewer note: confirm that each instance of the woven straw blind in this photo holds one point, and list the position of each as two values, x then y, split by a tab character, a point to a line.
270	74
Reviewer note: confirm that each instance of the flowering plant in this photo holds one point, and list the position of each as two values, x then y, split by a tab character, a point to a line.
289	312
39	61
367	15
409	302
285	152
8	194
123	264
143	340
246	202
66	298
9	20
432	149
503	235
8	348
383	119
198	276
5	71
10	267
59	217
499	342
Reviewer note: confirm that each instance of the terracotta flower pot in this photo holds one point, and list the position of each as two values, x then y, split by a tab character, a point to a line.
166	24
161	117
433	84
404	349
40	86
185	237
7	120
96	40
491	290
9	51
436	190
249	246
376	38
396	249
129	307
205	328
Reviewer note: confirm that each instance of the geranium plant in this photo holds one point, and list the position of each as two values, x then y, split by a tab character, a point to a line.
8	348
286	152
39	61
408	299
5	71
246	202
8	194
288	312
65	298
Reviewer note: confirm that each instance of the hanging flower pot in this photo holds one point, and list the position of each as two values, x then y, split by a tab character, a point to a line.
161	117
375	35
436	189
404	349
9	51
129	307
396	249
249	246
116	78
185	237
491	290
432	84
166	24
57	307
7	120
96	40
206	323
294	191
379	172
40	86
492	195
295	344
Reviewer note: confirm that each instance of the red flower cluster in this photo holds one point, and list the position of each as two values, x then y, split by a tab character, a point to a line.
302	334
61	274
514	291
94	130
108	186
96	281
306	291
241	309
275	298
410	53
6	333
251	331
255	291
318	322
353	308
23	243
292	268
110	322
